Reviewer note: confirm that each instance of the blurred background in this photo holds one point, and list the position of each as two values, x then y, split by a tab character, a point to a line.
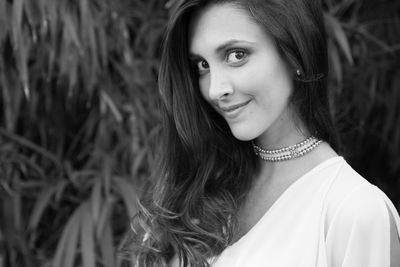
78	117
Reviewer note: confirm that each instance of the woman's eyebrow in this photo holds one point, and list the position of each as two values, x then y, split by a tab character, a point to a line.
222	47
230	43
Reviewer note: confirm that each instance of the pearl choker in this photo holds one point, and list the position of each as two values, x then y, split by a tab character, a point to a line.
289	152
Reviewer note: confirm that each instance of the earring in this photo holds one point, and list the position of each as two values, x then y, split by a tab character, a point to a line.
298	72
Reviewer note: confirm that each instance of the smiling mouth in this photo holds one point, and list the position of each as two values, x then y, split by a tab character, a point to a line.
234	108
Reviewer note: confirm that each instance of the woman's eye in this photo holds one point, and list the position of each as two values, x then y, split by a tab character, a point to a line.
202	66
236	56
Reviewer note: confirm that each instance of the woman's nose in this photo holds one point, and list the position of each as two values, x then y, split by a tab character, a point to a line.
220	86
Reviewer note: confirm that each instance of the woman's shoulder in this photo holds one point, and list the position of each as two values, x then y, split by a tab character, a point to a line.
350	190
352	200
359	217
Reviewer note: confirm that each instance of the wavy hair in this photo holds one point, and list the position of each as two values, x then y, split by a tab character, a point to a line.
203	172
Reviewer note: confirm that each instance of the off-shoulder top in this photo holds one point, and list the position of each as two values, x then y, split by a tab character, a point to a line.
330	217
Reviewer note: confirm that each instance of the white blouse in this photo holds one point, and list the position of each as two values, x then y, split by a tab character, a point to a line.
329	217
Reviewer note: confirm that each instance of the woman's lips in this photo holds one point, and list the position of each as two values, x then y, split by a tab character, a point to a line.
233	111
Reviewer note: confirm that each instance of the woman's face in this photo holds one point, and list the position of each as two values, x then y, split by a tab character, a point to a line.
241	73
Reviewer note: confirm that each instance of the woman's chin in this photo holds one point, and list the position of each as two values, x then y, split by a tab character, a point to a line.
244	135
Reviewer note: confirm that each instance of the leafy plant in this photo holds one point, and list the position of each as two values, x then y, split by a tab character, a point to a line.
78	117
365	52
78	84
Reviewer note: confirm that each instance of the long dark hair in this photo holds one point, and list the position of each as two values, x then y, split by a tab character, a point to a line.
203	173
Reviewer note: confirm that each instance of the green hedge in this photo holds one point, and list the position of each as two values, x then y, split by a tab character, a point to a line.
78	117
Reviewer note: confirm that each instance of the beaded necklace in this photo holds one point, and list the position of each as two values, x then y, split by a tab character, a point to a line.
289	152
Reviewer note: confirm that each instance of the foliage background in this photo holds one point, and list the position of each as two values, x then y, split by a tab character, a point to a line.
78	116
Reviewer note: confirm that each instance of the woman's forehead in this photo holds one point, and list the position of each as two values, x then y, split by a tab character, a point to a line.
220	23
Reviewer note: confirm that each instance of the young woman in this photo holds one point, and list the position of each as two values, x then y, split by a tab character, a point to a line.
248	173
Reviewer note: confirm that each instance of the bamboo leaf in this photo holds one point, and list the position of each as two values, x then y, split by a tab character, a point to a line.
17	211
31	166
23	52
3	22
29	144
336	65
103	217
107	246
84	14
93	63
341	6
128	194
61	246
111	105
60	189
54	17
40	205
66	247
138	161
17	8
87	242
21	43
72	244
337	32
102	42
33	14
70	32
96	200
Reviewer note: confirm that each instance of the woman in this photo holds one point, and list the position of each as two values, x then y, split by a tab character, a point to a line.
248	173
